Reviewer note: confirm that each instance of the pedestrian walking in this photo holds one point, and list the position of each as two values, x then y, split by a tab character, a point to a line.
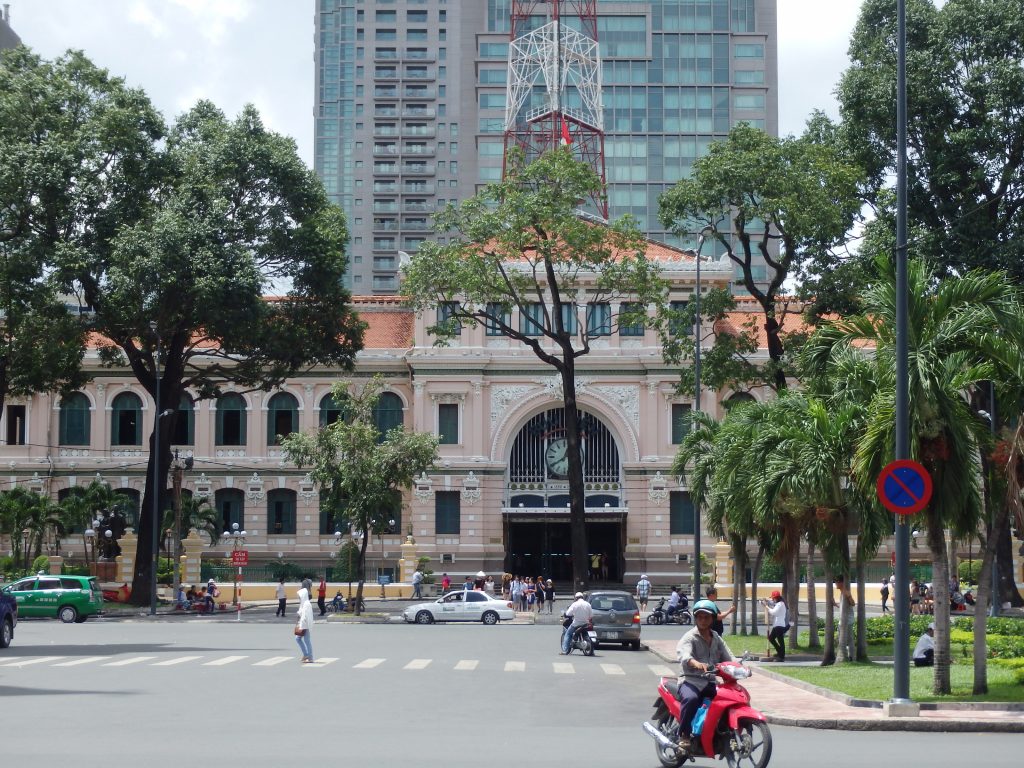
780	624
321	596
885	595
643	591
282	598
211	592
539	587
417	581
549	595
446	583
304	626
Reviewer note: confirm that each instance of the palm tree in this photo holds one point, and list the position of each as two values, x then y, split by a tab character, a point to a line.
196	513
945	319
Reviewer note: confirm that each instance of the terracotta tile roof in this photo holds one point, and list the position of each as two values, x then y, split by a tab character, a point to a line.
389	325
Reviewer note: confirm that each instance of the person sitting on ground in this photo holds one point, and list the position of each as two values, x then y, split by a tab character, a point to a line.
924	651
699	650
182	600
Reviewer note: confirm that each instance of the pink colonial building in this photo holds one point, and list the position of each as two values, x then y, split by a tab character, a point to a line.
497	498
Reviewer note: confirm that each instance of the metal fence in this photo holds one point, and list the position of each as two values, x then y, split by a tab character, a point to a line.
225	574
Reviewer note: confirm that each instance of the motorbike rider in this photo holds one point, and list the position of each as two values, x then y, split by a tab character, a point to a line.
699	650
581	614
673	602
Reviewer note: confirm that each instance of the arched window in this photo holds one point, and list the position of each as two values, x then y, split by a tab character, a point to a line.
282	417
126	420
230	420
387	413
280	512
185	422
736	399
230	506
331	409
74	420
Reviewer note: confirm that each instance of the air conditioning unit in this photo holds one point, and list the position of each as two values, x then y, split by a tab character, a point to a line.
682	559
447	557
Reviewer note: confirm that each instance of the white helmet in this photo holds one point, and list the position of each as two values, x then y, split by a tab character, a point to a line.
643	575
579	595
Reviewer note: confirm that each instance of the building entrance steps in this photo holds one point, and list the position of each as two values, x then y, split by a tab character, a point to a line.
794	703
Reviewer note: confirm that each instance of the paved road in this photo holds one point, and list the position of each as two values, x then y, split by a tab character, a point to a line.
119	693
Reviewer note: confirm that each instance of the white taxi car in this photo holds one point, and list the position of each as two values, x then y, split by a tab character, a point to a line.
461	605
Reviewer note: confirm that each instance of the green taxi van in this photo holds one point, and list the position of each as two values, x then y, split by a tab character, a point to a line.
68	598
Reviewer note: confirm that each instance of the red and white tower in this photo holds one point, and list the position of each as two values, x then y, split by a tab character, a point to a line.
554	83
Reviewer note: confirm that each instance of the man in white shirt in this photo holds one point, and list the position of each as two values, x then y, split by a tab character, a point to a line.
673	602
924	651
581	614
417	580
643	591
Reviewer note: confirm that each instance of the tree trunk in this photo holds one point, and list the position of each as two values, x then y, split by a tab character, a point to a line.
862	635
828	657
753	589
361	566
1008	591
793	599
813	638
981	605
940	592
577	499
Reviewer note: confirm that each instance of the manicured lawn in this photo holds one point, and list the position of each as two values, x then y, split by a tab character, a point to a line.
874	681
758	644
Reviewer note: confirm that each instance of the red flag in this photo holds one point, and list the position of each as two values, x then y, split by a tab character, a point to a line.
566	136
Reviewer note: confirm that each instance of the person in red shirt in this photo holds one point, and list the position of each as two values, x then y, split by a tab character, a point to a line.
321	596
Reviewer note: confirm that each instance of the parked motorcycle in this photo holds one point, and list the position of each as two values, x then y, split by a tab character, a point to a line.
584	638
732	728
681	615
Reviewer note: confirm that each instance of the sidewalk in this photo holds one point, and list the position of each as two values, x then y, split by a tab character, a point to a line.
795	703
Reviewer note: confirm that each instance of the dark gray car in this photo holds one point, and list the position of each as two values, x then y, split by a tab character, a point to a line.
616	617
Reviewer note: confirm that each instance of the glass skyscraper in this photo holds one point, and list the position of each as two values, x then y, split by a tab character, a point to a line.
410	106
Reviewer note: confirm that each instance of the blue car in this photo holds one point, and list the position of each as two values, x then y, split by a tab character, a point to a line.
8	619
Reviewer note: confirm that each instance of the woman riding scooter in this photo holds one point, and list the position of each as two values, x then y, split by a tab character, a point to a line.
699	651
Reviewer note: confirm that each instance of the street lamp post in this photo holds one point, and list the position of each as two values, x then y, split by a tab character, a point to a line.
156	473
355	538
237	543
26	537
696	410
380	576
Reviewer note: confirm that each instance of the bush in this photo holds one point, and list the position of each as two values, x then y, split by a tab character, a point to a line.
969	571
41	563
770	571
1001	625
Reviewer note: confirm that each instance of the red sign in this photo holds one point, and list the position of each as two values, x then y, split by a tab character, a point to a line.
904	487
240	557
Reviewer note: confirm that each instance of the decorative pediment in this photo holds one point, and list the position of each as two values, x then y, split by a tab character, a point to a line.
471	489
423	488
254	488
203	486
657	489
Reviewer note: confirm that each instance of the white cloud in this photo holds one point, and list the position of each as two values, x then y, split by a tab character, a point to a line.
213	18
141	13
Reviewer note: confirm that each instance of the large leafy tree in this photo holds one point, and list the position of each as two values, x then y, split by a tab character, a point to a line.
21	511
945	320
232	214
523	245
74	144
359	471
764	200
965	133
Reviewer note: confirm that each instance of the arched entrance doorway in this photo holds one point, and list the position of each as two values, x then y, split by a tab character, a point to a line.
536	514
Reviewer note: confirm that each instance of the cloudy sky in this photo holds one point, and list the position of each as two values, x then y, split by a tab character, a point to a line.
261	51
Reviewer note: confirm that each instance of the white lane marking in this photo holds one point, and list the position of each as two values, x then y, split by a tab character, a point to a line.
27	662
273	660
612	669
225	660
563	668
661	670
418	664
323	661
467	665
86	660
179	660
515	666
368	663
131	660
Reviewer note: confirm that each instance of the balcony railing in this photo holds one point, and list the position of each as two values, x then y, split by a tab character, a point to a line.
418	93
427	169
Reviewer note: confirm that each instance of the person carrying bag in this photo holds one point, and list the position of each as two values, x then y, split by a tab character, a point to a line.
303	626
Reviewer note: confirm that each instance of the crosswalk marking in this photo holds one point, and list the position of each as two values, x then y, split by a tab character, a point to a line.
225	660
86	660
563	668
368	663
612	669
273	660
418	664
515	666
26	662
467	665
323	661
130	660
661	670
179	660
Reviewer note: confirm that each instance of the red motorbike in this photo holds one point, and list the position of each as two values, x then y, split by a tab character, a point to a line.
732	728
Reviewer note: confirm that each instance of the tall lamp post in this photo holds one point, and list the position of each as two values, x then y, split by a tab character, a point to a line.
696	410
237	543
355	538
26	537
380	576
156	472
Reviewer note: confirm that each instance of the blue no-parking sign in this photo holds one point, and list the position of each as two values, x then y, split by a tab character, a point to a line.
904	487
